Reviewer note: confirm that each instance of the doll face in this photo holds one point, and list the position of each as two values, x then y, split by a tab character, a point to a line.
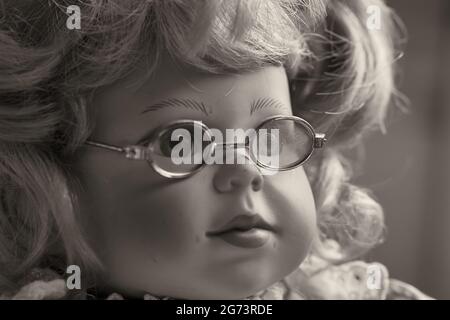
154	233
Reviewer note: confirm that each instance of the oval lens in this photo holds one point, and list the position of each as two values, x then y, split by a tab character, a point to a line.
283	143
179	148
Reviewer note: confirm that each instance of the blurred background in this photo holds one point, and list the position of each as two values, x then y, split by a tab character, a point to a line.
409	168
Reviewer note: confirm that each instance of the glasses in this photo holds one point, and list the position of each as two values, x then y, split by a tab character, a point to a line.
181	148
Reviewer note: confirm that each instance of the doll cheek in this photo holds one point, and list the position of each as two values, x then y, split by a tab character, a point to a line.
291	197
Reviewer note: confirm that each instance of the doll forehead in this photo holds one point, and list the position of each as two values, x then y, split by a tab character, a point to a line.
220	87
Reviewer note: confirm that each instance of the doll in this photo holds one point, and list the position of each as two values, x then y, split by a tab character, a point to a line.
86	169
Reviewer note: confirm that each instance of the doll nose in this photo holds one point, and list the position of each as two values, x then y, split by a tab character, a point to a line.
231	177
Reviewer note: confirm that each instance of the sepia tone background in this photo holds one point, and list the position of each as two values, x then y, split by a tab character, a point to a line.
409	168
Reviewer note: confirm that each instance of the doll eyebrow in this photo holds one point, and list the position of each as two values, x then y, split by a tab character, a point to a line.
175	102
257	105
263	103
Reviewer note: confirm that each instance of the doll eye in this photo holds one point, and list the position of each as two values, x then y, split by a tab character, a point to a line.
181	136
172	137
174	150
165	144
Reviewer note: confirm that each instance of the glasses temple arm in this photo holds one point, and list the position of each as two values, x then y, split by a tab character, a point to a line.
104	146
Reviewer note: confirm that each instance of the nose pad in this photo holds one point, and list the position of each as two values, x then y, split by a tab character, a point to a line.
242	173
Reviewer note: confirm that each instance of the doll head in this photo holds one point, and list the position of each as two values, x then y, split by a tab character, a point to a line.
136	65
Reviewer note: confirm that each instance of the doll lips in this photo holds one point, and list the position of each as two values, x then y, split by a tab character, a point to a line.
245	231
251	238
